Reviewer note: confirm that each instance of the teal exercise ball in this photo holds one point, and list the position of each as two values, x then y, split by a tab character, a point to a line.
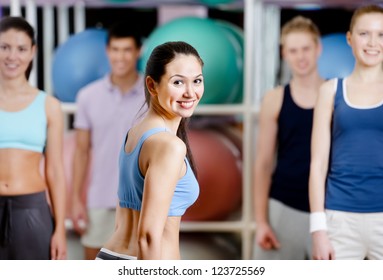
216	2
78	61
236	36
336	60
221	72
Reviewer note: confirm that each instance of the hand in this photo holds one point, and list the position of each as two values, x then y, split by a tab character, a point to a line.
58	245
322	249
79	216
266	238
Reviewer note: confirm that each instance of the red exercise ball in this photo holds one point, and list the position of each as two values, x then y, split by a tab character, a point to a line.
219	169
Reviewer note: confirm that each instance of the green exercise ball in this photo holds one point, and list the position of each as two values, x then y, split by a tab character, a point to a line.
216	2
235	35
221	73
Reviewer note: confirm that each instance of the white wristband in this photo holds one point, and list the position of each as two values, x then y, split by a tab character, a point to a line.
317	221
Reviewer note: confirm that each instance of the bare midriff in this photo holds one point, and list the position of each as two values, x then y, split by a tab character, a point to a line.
20	172
124	239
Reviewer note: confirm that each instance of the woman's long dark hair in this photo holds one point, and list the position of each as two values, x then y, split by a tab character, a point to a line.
161	56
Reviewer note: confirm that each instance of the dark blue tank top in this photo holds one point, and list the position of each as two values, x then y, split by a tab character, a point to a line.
355	176
291	175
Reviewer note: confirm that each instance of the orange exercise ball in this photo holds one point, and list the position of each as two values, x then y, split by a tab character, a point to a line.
219	170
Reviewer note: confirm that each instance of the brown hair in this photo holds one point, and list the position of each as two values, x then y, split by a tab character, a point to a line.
300	24
368	9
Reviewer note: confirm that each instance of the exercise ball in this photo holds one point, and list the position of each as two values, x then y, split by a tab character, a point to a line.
236	37
336	59
219	170
79	61
216	2
221	72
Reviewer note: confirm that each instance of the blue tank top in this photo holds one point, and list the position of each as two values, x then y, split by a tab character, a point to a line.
131	181
25	129
355	175
291	175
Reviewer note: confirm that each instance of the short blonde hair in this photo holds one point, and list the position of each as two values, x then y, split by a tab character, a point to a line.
300	24
368	9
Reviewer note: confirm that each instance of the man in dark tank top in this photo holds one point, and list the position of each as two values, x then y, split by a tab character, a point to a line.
282	161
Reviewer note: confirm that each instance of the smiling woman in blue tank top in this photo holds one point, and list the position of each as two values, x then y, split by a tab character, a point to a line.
30	127
157	183
346	179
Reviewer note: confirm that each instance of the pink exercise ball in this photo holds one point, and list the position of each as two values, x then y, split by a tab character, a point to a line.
219	169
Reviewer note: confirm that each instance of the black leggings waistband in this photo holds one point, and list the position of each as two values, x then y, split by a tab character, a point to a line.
32	200
9	203
105	254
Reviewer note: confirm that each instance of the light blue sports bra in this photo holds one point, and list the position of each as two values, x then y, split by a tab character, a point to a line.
25	129
131	181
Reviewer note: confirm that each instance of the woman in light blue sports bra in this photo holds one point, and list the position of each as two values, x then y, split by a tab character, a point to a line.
157	182
31	127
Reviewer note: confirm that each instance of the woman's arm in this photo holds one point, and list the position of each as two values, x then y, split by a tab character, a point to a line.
163	161
320	152
54	172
